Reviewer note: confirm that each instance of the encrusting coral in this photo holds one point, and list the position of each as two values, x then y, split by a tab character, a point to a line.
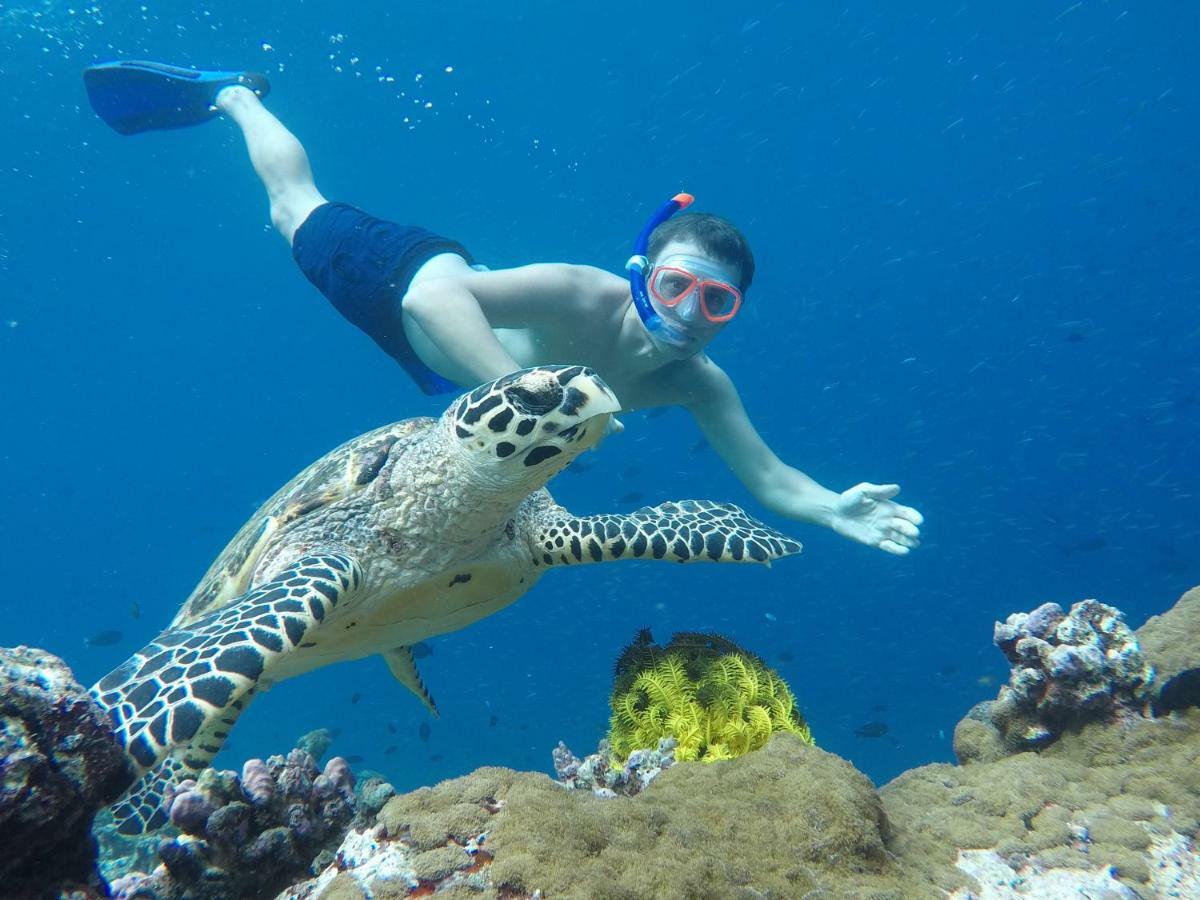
715	699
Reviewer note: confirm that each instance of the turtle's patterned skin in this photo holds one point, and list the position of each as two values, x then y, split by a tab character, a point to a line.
406	532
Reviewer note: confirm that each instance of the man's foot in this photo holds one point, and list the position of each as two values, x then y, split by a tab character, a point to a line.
234	95
134	96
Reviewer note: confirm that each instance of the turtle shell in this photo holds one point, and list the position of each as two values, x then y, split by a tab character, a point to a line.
339	474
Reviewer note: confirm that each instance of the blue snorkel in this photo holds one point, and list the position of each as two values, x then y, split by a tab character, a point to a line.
637	267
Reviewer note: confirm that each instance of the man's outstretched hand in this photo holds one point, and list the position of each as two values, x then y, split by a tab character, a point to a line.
867	514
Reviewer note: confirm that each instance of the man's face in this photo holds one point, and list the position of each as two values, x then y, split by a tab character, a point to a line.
694	294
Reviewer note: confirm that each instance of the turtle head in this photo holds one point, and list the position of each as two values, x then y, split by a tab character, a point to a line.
526	427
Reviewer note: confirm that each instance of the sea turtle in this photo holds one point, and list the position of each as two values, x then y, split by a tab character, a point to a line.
409	531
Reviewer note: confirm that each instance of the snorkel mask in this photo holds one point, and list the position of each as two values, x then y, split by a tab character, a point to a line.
688	289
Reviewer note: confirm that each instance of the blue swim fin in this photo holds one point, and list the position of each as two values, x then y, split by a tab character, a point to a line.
137	95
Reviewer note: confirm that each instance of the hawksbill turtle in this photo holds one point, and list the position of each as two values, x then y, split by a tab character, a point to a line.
409	531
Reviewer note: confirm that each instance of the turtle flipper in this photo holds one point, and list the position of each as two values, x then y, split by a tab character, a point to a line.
682	531
144	808
185	681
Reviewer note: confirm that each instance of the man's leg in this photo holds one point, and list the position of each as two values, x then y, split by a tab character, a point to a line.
278	158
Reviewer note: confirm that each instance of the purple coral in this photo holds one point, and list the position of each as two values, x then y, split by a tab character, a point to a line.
1066	669
252	836
189	808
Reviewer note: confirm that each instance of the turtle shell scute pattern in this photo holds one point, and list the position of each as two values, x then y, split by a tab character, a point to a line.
335	476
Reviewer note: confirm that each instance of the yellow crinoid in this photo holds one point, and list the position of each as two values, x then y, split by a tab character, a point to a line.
715	699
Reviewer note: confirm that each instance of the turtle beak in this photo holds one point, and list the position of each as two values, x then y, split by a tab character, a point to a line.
588	399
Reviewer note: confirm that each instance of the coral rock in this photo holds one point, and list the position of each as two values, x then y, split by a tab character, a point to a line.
59	764
1067	669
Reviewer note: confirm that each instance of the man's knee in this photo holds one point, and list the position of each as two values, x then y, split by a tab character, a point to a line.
289	210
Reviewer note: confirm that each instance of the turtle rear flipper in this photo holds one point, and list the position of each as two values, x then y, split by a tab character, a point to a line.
682	531
402	665
177	696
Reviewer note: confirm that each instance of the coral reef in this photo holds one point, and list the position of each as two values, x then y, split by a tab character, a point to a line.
1067	669
250	836
596	773
716	700
1111	808
59	764
781	822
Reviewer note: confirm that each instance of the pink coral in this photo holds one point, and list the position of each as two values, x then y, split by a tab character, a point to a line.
337	770
257	783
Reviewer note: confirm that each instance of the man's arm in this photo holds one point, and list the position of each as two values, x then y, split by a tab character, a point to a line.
865	512
457	313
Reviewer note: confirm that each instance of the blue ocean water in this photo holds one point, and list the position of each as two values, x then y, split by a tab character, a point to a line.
976	231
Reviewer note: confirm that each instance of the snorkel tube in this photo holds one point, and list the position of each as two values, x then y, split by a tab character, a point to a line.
638	265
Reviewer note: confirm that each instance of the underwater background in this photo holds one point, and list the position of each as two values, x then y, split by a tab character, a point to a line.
976	229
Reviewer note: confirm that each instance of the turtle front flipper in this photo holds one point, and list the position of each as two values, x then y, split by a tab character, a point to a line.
178	695
682	531
144	808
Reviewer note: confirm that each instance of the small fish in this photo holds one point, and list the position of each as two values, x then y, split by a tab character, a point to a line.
391	727
355	697
104	638
353	758
699	446
435	757
947	670
135	611
524	726
631	498
872	730
985	681
420	650
423	732
786	656
390	750
493	721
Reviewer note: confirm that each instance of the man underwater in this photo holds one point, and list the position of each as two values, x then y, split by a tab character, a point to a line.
418	297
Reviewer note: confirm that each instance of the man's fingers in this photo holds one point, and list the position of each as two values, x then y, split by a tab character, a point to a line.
893	548
880	491
906	528
907	512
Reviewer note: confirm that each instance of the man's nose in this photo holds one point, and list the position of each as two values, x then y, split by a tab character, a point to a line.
689	308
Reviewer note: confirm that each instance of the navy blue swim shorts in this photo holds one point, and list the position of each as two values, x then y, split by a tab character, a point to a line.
364	266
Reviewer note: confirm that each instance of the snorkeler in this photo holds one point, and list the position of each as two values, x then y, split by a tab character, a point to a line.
419	297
